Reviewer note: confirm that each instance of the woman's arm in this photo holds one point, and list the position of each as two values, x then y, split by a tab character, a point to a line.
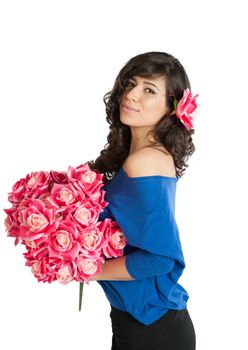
113	270
141	264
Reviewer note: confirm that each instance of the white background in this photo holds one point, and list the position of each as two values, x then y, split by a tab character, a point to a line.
57	60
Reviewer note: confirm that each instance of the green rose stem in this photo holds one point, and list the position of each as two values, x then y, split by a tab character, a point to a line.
175	103
81	287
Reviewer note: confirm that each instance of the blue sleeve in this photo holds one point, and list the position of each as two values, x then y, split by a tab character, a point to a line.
144	211
142	264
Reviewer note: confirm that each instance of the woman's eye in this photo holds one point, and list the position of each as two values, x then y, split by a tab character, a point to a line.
129	83
150	91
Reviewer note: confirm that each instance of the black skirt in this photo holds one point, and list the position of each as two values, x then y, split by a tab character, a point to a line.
173	331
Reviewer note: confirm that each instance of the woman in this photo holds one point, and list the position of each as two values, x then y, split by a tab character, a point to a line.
148	145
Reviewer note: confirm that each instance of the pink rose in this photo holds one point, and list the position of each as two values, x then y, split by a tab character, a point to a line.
11	219
88	177
37	182
42	270
97	199
36	222
35	250
85	179
46	199
82	172
186	108
87	267
13	228
63	242
66	194
65	274
35	219
91	241
18	191
83	216
86	214
33	185
59	177
115	239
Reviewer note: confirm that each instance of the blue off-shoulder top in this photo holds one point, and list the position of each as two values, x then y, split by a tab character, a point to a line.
144	208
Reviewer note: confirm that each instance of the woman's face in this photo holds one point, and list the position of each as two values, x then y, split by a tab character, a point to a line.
143	103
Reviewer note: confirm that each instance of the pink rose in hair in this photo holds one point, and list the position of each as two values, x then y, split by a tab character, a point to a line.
186	108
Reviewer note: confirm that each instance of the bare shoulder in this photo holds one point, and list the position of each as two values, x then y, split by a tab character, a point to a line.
149	161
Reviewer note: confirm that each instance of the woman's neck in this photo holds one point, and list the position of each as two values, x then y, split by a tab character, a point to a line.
139	139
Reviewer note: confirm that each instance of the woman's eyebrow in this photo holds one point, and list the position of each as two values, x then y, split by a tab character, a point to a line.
147	82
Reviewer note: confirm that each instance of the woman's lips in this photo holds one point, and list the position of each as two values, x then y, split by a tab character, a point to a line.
126	108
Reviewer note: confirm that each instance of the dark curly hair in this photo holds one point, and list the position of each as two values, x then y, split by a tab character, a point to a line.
169	131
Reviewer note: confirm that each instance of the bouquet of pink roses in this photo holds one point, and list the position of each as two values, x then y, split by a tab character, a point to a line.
55	215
